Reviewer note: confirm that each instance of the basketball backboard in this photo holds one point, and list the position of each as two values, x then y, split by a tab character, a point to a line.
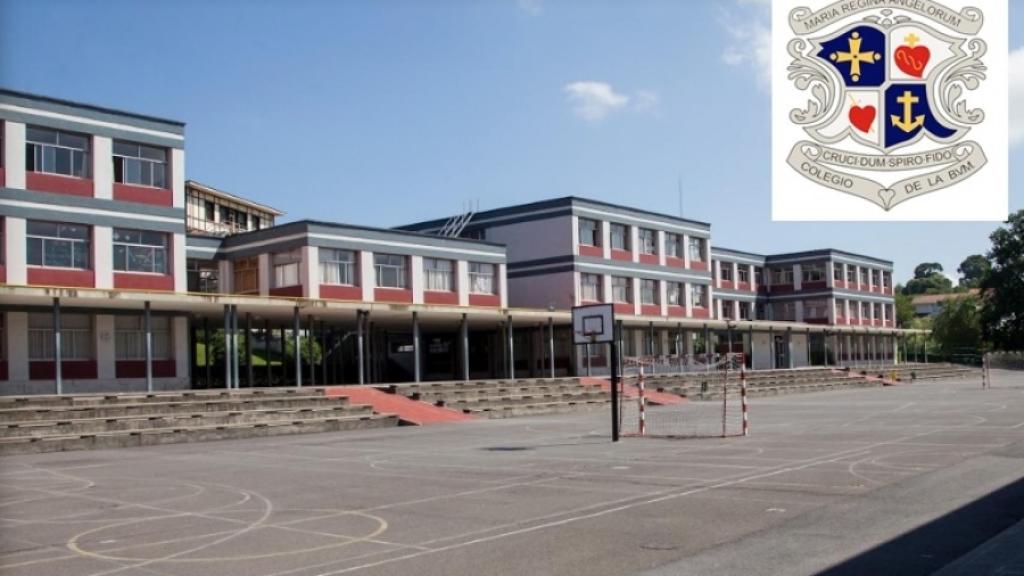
593	324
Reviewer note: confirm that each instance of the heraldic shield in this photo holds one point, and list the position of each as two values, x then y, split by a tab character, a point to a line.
887	83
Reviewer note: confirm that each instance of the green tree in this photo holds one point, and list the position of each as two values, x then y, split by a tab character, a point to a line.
1002	288
926	269
934	283
957	326
904	308
973	270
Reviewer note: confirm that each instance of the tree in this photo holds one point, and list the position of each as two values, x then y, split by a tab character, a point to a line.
957	326
904	308
1002	288
934	283
926	269
972	270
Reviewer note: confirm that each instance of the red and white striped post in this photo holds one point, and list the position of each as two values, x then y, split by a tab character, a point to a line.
643	403
743	401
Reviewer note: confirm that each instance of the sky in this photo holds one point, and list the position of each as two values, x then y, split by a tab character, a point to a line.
395	111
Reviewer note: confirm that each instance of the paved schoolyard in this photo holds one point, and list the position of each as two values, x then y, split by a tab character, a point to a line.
831	479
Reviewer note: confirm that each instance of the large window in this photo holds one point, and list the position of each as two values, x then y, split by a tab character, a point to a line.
391	270
727	310
590	287
481	278
674	294
622	289
854	310
837	271
648	241
56	152
590	232
438	275
57	245
649	292
815	309
782	276
139	164
699	295
784	311
812	272
130	337
140	251
725	271
864	275
696	249
76	342
758	275
619	236
744	274
337	267
673	245
286	268
745	311
246	274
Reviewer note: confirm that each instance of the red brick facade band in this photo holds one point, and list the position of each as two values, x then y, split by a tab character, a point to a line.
137	369
288	291
484	300
61	277
340	292
587	250
398	295
624	255
69	369
432	297
133	281
69	185
143	194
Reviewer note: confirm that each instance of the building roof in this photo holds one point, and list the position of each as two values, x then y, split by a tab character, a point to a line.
928	299
229	196
86	106
301	226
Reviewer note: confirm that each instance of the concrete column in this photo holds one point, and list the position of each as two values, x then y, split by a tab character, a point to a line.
14	155
503	284
511	351
297	345
688	297
753	279
178	178
182	357
606	239
717	311
236	382
663	297
309	272
228	356
660	243
102	167
686	250
264	273
147	328
606	288
416	278
106	354
798	310
462	281
634	248
416	347
797	277
250	377
736	309
635	282
367	275
735	274
830	271
716	273
789	347
856	272
575	235
178	262
360	350
103	256
226	277
577	289
58	358
14	252
464	329
551	346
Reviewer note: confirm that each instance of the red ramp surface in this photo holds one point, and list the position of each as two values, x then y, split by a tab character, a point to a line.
653	396
407	410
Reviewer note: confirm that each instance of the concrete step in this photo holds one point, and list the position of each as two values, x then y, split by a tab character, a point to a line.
123	439
432	395
158	408
52	400
98	425
537	409
409	388
521	400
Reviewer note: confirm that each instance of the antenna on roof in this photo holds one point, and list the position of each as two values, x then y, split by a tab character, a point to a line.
455	225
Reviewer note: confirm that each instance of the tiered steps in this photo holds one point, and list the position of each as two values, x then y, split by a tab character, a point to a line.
504	399
709	386
30	424
911	372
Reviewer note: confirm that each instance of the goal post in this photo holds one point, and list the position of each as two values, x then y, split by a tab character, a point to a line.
715	403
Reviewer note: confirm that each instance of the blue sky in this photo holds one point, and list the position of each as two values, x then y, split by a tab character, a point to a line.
383	113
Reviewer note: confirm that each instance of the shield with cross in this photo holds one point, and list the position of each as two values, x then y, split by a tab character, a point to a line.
885	79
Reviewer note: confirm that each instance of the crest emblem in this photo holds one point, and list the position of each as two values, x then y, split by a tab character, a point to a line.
888	117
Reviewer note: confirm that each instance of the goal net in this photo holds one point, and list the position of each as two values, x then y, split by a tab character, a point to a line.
709	404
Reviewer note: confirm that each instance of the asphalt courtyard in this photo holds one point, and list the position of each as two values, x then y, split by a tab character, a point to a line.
900	480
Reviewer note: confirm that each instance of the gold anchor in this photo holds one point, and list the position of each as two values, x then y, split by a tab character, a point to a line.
909	122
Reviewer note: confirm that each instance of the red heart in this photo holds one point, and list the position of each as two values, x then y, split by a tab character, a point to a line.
912	60
862	117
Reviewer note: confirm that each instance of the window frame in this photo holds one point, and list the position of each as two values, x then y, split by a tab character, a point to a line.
625	285
130	342
597	287
401	271
154	249
76	245
696	249
35	159
150	164
647	241
489	278
582	222
434	277
625	244
328	258
698	295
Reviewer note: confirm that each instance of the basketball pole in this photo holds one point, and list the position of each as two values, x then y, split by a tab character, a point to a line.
615	388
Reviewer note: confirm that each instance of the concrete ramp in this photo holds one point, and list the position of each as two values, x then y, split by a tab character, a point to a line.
408	410
653	396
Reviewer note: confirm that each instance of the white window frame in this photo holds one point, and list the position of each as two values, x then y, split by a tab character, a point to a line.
674	294
394	264
76	245
812	273
696	249
76	341
584	224
124	263
673	245
334	265
648	240
38	151
648	288
482	276
130	337
150	166
590	287
622	290
698	295
287	268
625	247
438	275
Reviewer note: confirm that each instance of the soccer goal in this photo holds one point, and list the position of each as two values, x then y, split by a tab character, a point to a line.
715	403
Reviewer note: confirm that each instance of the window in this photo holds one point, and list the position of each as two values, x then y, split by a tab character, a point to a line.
744	274
886	280
619	236
56	152
851	274
622	289
257	224
815	309
649	292
140	251
727	310
75	337
864	273
699	295
785	311
854	310
590	288
590	232
130	337
438	275
57	245
696	249
758	275
209	211
648	241
837	271
391	271
139	164
286	268
203	276
673	245
782	276
236	219
481	278
674	294
337	267
812	272
745	311
725	271
246	275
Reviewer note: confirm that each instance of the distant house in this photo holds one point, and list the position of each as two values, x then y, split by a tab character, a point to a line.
930	304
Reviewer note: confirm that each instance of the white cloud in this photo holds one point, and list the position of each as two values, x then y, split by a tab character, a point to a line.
1017	96
749	40
592	101
531	7
646	101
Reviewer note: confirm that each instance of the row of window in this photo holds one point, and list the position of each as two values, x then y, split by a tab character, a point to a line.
77	338
341	267
809	273
868	276
61	245
67	154
591	290
865	310
619	238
